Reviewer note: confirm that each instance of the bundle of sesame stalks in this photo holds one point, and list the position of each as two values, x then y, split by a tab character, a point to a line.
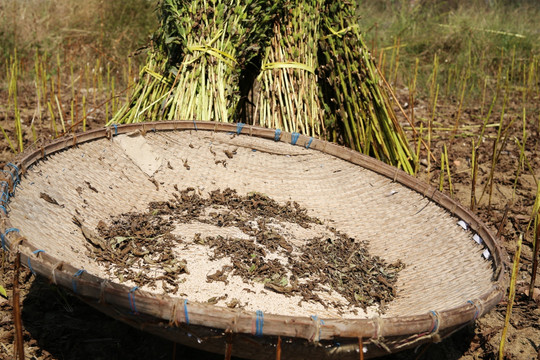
358	112
315	75
287	93
199	52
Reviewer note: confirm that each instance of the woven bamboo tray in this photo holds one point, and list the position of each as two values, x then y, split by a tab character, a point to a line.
453	270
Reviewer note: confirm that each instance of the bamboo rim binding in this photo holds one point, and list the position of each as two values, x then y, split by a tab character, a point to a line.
378	332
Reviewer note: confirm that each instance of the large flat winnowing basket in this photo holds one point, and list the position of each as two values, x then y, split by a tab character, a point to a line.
453	271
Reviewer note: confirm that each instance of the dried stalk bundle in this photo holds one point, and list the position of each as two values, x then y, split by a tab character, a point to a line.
196	62
287	96
358	112
316	77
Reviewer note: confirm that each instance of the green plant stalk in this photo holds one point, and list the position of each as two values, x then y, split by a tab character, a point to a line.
520	166
536	237
84	112
474	174
37	84
8	140
511	297
72	113
494	157
486	120
59	78
13	95
53	120
441	174
43	72
113	96
72	80
60	113
448	171
34	131
433	79
412	91
98	83
484	88
462	97
430	129
418	147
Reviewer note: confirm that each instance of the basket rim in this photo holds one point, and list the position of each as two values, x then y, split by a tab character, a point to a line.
178	311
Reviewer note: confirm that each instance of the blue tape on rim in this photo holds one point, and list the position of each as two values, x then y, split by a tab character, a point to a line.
10	230
259	323
131	297
115	126
477	311
320	321
3	237
277	135
186	316
435	325
76	275
4	198
294	137
309	143
239	127
30	265
195	125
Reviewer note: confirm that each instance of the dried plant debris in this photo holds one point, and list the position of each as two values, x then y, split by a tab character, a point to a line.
138	247
142	242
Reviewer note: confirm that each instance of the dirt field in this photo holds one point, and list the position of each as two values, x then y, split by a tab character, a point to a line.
59	326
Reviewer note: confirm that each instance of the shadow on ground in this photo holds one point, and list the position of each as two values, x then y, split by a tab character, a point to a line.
63	326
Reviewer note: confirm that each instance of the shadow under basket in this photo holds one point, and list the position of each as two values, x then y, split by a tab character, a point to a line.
453	268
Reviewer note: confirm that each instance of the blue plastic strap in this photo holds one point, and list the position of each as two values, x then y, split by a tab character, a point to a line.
131	297
4	198
115	126
30	265
73	282
186	316
435	326
259	323
309	143
477	312
319	322
11	230
17	179
277	135
294	137
3	208
239	128
4	236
